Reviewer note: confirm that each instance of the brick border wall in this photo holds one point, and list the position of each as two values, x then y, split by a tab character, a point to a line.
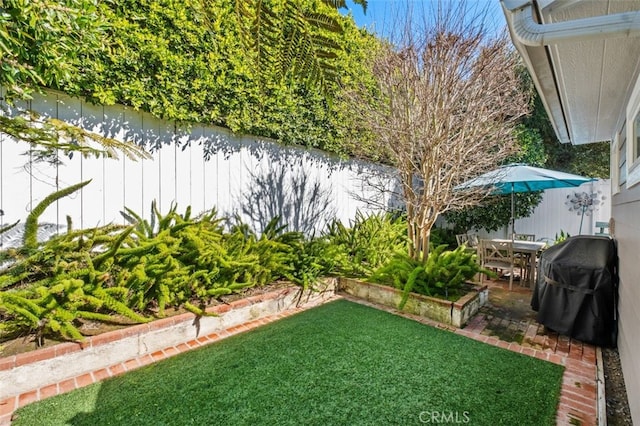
455	313
41	373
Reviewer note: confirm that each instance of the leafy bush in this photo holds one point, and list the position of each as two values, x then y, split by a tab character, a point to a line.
440	236
368	243
443	275
494	212
47	291
140	270
561	237
311	260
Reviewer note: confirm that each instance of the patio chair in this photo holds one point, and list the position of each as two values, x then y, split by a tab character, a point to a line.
524	237
523	260
473	240
497	255
462	239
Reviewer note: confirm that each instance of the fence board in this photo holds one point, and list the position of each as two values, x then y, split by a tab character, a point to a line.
92	121
133	176
71	170
183	170
196	184
167	167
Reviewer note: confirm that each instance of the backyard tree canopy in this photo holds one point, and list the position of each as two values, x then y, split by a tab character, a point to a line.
41	44
444	110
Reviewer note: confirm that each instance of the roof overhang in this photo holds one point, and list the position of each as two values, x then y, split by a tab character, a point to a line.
583	56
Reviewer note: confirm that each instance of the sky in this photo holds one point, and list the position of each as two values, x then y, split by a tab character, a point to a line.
383	15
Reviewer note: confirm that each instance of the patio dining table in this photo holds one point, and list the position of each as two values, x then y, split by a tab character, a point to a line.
526	248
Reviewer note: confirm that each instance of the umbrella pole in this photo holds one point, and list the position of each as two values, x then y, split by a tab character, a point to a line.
513	209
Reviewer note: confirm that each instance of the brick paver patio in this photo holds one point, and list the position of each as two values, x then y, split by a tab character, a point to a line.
509	317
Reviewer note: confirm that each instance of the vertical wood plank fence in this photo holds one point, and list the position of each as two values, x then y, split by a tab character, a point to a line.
208	167
200	166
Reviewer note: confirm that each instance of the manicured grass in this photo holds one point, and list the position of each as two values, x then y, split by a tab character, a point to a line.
341	363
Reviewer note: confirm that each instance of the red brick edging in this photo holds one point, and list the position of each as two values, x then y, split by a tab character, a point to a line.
578	394
12	403
7	363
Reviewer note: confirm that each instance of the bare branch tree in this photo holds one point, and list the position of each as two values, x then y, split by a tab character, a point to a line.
445	109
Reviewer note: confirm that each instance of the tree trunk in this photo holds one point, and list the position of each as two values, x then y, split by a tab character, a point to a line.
411	232
425	237
419	237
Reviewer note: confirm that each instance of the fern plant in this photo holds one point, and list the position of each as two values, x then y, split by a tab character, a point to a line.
55	304
443	274
368	243
31	224
9	227
312	260
288	37
171	260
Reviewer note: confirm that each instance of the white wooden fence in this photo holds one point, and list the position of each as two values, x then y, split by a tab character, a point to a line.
198	166
208	167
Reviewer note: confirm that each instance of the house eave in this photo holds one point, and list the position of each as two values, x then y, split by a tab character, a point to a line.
584	101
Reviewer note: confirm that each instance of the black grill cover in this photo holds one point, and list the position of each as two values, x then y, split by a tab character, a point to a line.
576	289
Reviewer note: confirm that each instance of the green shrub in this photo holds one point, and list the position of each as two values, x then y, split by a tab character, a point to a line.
561	237
49	290
312	260
443	275
141	270
440	236
368	243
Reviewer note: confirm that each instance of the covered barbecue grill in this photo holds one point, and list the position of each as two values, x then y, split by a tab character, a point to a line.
576	289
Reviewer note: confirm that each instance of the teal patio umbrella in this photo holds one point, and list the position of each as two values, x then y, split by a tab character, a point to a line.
518	177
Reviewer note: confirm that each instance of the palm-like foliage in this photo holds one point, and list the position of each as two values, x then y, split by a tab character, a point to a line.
49	137
287	36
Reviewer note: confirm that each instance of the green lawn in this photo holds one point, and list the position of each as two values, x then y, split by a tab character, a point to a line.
341	363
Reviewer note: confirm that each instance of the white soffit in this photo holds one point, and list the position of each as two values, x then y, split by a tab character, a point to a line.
584	81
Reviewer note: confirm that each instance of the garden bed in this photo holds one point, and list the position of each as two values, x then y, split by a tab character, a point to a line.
33	370
456	313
